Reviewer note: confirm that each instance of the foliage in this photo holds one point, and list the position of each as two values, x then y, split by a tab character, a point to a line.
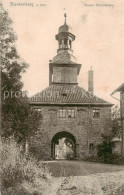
12	64
19	171
104	150
18	119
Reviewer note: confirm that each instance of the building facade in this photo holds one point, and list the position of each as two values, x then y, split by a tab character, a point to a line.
120	89
71	115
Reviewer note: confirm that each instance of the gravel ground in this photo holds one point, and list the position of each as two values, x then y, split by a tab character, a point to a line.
94	184
85	178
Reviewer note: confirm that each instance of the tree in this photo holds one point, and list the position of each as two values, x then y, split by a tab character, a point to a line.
12	64
18	119
116	122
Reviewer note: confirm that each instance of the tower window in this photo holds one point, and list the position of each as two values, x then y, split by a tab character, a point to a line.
62	113
71	113
60	44
96	113
65	43
70	43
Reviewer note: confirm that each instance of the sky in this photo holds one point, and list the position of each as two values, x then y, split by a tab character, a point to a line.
99	29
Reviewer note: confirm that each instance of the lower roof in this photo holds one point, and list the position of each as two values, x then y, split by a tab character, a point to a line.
120	88
67	94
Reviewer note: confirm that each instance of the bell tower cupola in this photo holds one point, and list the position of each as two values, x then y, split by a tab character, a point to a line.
65	37
63	69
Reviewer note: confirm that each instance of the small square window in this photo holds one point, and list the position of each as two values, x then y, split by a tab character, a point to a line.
37	109
91	146
71	113
96	113
62	113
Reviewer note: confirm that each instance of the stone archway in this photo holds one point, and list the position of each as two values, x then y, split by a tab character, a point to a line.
63	146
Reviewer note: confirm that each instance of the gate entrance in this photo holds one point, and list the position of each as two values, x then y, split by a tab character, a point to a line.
63	146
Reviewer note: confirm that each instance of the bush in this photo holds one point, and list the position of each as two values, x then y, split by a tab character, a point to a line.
104	150
20	173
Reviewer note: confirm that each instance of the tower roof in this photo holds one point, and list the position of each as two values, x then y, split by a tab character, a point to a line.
65	27
64	58
65	52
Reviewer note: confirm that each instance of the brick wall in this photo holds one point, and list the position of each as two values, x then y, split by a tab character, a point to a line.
87	132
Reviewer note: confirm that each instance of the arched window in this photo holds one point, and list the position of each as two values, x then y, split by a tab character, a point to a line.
60	44
65	43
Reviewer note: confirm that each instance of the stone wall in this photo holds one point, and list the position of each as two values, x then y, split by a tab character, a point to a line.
87	132
122	120
117	149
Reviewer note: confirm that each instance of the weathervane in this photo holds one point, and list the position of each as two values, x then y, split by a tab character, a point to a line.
65	15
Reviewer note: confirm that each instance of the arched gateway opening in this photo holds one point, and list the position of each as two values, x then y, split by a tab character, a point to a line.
63	146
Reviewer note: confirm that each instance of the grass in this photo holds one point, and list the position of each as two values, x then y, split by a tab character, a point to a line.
80	168
115	160
21	174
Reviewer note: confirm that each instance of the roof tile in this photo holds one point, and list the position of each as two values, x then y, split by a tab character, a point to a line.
61	94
